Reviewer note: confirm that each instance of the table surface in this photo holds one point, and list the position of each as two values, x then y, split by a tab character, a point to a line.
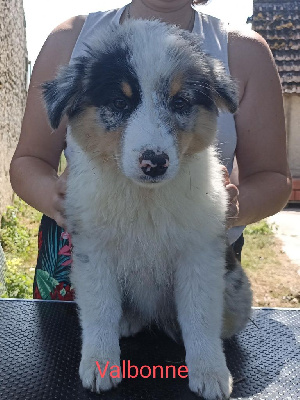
40	354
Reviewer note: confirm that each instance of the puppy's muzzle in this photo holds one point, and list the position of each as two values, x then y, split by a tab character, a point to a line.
153	164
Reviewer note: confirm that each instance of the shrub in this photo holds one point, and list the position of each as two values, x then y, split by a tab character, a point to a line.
18	282
259	228
17	236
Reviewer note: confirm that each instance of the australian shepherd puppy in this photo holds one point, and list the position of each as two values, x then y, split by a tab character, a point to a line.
146	202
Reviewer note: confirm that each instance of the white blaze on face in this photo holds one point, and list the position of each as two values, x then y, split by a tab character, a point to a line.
145	131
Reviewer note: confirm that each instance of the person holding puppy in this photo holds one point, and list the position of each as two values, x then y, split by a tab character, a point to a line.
255	135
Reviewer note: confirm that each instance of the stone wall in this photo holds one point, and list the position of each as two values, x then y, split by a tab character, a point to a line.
13	72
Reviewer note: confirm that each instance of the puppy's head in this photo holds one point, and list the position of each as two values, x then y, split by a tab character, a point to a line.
143	98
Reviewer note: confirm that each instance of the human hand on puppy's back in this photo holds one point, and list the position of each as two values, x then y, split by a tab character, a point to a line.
233	202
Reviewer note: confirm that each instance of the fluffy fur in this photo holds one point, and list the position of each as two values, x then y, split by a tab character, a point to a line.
145	201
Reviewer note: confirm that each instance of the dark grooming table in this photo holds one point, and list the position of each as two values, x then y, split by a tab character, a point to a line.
40	354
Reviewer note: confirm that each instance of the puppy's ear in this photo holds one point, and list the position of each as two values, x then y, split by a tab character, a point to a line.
64	94
225	88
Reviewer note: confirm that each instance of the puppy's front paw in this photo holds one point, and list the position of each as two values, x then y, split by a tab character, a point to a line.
210	383
99	376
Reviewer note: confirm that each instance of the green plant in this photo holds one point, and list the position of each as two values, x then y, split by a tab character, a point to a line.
259	228
17	281
17	234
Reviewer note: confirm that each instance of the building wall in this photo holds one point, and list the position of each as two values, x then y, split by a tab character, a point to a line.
13	68
292	116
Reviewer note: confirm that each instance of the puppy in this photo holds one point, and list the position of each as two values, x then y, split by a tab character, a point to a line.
145	200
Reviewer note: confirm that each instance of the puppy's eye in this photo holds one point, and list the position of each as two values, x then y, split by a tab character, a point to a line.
120	104
180	104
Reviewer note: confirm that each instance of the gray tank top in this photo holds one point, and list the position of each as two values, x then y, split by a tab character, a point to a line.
215	42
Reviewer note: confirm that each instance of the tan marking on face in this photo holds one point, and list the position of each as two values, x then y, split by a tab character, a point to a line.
126	89
176	86
100	145
201	136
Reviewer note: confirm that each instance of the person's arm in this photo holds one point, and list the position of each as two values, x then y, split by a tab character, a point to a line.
33	169
264	177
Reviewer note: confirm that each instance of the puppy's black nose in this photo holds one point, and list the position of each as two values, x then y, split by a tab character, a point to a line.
153	164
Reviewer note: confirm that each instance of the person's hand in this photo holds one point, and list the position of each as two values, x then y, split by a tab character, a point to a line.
233	203
58	200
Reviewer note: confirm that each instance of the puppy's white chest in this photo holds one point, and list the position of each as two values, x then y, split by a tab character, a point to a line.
145	271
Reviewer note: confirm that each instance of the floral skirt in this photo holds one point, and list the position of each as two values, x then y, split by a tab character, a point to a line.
51	280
